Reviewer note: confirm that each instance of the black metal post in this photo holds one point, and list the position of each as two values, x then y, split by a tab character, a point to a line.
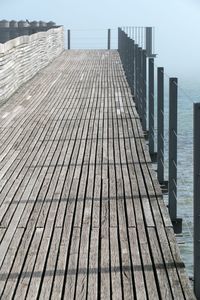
128	40
69	39
109	38
132	45
160	123
133	67
136	78
149	41
173	95
140	109
119	40
144	90
197	200
151	106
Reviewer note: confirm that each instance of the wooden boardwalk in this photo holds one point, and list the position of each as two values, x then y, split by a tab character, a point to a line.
81	211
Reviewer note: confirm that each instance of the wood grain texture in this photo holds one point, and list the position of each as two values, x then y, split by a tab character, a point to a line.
21	58
81	211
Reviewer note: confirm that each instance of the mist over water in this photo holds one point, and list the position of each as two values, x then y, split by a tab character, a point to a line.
176	24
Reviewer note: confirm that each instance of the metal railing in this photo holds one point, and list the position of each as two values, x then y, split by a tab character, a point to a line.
138	62
100	38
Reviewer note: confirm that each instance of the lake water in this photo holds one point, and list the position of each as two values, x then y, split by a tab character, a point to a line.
188	92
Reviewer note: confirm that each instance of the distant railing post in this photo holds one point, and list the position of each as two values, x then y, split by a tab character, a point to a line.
132	65
173	95
144	90
109	38
69	39
140	82
136	77
119	40
151	106
197	200
160	123
149	41
129	58
128	55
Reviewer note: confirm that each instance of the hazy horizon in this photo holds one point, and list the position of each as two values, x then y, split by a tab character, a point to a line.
176	24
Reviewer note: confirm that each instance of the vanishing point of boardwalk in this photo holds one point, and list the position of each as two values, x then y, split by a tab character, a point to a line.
81	211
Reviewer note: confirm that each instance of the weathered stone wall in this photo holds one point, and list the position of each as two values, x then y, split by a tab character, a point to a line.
21	58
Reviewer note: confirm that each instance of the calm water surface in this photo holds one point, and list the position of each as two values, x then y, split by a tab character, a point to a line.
188	93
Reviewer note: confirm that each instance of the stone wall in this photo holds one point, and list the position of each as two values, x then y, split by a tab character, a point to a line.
21	58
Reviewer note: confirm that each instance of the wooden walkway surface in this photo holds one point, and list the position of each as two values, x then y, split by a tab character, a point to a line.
81	212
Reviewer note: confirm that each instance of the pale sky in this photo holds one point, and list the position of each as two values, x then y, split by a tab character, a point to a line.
177	24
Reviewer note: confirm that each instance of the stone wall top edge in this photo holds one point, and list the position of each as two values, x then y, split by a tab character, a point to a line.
27	39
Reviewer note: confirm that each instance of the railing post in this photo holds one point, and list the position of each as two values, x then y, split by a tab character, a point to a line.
197	200
128	74
144	90
149	41
136	78
173	95
129	63
160	124
109	38
133	43
69	39
119	40
132	66
140	109
151	106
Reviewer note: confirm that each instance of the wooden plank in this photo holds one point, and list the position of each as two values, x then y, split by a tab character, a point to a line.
2	231
105	291
138	273
49	199
10	231
82	214
60	270
170	266
81	198
38	192
164	286
27	270
186	286
10	256
81	283
93	270
49	270
116	277
96	202
8	207
69	290
150	280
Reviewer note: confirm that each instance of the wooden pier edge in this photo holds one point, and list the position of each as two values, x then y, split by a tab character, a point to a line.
81	212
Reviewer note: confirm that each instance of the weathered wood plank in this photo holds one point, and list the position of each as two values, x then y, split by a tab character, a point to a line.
81	211
116	276
138	273
21	288
49	271
93	271
69	289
